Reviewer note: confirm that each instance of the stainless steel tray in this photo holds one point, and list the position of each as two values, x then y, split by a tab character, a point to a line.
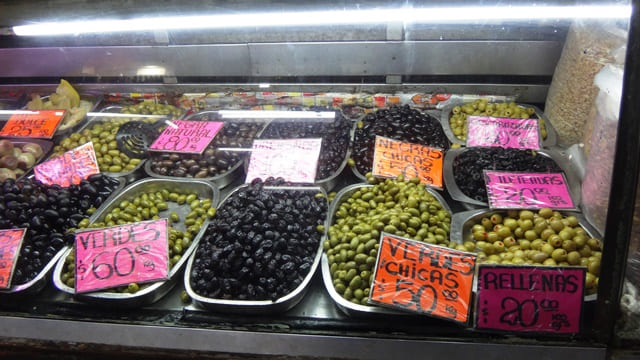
38	283
461	224
94	99
221	180
153	291
551	140
259	306
343	304
573	179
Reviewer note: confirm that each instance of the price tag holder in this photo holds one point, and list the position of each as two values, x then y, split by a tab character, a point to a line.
423	278
488	131
295	160
392	158
515	190
122	254
530	298
10	243
34	124
187	137
69	168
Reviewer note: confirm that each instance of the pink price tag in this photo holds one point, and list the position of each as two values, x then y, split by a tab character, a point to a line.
294	160
512	190
530	298
502	132
69	168
120	255
189	137
10	243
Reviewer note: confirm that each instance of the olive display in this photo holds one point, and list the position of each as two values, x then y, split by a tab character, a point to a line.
398	123
152	108
151	206
212	162
468	167
48	213
545	237
403	208
480	107
335	140
16	158
261	244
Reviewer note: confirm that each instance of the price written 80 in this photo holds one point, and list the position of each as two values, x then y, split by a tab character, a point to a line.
119	263
179	143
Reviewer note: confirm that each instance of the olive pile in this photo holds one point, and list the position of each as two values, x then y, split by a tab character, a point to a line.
152	108
261	244
545	237
212	162
480	107
48	212
151	206
399	123
335	140
468	167
393	206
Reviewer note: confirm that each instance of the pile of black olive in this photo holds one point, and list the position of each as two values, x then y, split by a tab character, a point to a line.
261	244
211	162
399	123
48	212
468	167
335	140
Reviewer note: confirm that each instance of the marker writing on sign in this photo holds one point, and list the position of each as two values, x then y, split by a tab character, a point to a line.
533	281
138	232
540	180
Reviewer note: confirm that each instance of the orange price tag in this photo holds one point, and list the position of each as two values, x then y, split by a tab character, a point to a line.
392	158
10	242
69	168
35	124
423	278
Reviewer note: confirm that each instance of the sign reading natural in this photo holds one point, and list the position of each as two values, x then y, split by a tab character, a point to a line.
530	298
69	168
295	160
189	137
121	255
514	190
34	124
10	242
392	158
488	131
423	278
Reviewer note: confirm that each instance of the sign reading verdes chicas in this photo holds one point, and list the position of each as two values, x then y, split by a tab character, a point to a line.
392	158
503	132
530	298
423	278
120	255
513	190
69	168
189	137
295	160
33	124
10	242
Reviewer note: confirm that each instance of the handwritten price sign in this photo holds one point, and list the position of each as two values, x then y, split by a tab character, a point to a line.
120	255
189	137
392	158
423	278
69	168
530	298
502	132
10	242
512	190
294	160
36	124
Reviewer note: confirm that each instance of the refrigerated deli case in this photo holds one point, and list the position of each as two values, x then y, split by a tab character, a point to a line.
413	74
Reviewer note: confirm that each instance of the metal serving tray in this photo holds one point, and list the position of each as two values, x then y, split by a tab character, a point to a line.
551	140
343	304
256	306
221	180
38	283
573	179
461	224
151	292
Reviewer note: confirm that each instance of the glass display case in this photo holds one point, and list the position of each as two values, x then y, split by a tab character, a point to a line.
541	93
